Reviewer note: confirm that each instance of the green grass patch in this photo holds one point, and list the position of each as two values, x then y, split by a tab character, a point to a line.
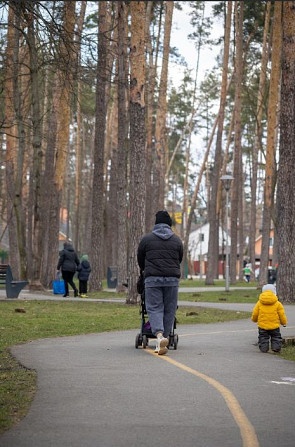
288	352
217	283
42	319
233	296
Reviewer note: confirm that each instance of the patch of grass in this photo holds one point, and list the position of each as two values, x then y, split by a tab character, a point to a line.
201	315
233	296
42	319
217	283
17	389
288	352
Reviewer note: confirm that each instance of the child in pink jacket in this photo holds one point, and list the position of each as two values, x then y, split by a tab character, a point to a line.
269	314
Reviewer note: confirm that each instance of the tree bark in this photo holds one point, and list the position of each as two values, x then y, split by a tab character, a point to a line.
122	152
213	246
271	140
286	178
137	143
160	130
258	137
237	143
79	131
37	251
11	134
99	143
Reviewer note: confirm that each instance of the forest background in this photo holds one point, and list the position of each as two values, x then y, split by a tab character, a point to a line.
95	134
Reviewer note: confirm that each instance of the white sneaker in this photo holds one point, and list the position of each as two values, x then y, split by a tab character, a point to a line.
162	343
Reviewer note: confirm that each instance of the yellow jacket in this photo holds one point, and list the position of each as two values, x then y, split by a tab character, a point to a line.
269	313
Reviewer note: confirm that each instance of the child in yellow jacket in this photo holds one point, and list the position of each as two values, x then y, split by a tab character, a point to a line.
269	314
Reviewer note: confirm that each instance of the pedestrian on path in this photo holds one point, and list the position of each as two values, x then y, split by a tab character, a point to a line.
159	257
68	262
247	272
84	270
269	314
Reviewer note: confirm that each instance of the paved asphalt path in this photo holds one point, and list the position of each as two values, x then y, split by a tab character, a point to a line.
215	390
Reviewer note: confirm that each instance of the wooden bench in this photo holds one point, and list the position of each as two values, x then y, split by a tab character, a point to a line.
13	287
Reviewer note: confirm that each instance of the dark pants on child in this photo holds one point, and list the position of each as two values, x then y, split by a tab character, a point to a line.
68	279
275	339
82	287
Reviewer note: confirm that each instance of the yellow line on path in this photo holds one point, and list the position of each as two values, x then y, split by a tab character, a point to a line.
247	431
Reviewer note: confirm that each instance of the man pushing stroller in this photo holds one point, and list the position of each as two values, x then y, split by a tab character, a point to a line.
159	257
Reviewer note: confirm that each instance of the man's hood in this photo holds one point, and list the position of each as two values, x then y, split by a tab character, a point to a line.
268	297
68	247
163	231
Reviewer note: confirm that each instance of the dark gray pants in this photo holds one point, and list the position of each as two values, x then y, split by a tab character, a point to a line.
161	305
275	339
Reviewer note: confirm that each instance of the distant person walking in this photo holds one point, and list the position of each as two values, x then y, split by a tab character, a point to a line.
159	256
247	272
269	314
84	270
68	263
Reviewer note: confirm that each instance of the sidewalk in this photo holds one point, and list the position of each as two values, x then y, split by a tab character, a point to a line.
98	390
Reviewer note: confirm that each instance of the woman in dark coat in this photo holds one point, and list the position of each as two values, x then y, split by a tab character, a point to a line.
68	262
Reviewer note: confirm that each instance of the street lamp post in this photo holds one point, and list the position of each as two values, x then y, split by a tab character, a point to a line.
201	267
201	239
226	180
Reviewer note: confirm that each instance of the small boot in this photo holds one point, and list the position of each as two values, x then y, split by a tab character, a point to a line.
76	293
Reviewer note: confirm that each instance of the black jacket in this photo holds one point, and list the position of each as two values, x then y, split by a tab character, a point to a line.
68	259
84	270
160	253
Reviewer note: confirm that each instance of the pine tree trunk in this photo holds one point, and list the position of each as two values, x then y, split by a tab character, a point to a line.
237	143
271	141
11	134
160	130
63	101
150	91
37	161
45	239
78	183
258	137
213	246
97	234
137	143
286	178
122	153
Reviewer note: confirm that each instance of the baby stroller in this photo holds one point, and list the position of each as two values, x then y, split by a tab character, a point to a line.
142	339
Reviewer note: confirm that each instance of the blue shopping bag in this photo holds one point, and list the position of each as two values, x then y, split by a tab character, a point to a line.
58	286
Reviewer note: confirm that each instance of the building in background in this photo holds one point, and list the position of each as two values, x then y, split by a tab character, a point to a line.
198	250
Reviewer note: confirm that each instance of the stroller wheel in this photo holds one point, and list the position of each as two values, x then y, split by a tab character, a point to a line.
137	341
171	341
144	341
175	343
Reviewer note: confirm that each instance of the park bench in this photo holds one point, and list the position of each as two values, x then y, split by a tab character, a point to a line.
13	287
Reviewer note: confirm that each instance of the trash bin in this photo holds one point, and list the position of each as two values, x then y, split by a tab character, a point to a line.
112	277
